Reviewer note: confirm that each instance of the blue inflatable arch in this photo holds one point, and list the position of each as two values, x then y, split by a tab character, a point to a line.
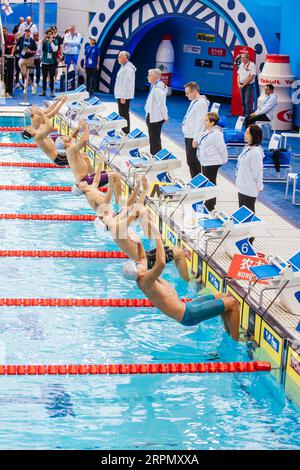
118	22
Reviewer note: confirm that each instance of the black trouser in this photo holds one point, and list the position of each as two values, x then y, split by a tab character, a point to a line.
91	80
18	70
154	131
211	173
48	69
258	117
37	66
124	112
249	202
191	158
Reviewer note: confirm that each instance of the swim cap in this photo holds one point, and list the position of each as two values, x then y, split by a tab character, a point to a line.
130	271
59	144
27	112
26	135
76	191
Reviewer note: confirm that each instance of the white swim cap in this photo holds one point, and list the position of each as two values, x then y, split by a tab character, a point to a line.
129	270
59	144
28	112
76	191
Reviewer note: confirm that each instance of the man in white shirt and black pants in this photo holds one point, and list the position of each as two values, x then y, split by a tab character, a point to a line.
156	109
125	86
193	125
267	110
246	79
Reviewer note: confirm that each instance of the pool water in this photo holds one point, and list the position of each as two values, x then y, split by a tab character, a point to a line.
230	411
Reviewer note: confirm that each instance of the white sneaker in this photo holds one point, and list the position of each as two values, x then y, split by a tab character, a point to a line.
33	91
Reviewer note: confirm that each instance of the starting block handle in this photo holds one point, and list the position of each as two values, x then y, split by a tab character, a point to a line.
222	216
278	261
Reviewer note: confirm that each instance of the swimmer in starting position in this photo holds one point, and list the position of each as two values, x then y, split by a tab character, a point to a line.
164	297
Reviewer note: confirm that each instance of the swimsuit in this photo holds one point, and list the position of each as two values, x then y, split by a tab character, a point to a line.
202	308
61	159
103	179
151	256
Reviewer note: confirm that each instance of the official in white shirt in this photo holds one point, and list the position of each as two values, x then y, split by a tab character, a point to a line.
249	178
71	46
28	25
267	110
193	125
246	80
212	151
125	86
156	109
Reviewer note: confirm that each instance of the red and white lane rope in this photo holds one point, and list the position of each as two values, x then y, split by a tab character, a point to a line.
87	302
11	187
31	165
62	254
113	369
64	217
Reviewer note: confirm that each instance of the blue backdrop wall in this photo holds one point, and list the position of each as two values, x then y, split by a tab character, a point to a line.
29	9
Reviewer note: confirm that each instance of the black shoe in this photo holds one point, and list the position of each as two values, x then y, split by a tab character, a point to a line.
42	93
52	94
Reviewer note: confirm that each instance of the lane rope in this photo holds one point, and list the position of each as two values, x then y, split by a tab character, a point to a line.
10	187
19	302
18	129
31	165
64	217
112	369
17	144
62	254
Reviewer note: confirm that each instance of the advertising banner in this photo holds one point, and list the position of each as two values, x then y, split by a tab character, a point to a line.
236	101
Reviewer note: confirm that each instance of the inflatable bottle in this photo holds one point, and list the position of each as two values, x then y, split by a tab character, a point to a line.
165	61
277	71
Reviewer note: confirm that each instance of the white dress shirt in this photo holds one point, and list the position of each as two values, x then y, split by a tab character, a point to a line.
125	82
193	121
72	43
31	26
268	106
155	104
212	149
245	71
249	178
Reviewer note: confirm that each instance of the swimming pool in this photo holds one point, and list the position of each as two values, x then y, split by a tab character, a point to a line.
229	411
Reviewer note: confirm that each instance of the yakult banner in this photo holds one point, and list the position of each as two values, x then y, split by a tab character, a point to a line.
236	102
277	71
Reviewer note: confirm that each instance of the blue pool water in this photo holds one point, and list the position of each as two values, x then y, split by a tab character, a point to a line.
233	411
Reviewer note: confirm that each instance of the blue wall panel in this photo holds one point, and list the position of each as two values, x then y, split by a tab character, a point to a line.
30	9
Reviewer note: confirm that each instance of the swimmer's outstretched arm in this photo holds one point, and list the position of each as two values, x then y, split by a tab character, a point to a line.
97	177
53	109
84	138
152	274
45	127
144	193
133	196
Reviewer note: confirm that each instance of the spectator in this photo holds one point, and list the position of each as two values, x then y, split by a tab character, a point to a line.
27	25
245	80
91	64
16	28
8	41
193	125
124	87
49	49
71	46
212	152
267	110
156	109
27	47
16	52
59	42
249	179
37	58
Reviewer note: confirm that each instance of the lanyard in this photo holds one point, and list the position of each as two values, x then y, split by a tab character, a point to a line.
26	43
189	110
204	137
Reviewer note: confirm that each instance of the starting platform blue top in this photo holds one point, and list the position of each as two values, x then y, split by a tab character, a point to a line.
270	271
242	216
198	182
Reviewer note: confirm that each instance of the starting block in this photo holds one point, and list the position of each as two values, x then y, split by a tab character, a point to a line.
101	123
83	109
233	231
74	95
116	141
284	277
198	189
164	160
